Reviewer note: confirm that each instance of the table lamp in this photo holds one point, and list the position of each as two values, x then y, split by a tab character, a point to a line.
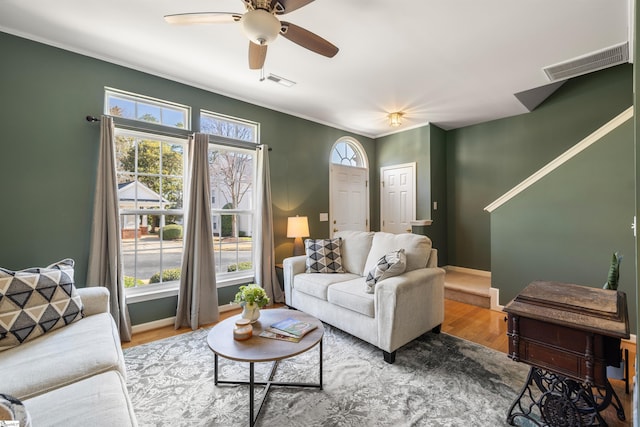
297	228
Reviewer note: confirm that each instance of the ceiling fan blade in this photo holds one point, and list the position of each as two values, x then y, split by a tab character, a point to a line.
257	55
202	18
308	40
285	6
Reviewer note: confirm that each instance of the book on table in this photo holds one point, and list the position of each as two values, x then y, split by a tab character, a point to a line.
293	327
278	335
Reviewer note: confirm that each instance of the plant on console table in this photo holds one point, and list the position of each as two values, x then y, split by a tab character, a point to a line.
251	298
616	372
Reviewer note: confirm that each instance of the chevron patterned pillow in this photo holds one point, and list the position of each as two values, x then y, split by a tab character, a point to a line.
323	255
392	264
36	301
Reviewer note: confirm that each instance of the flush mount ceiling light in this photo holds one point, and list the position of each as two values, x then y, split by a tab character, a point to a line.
395	119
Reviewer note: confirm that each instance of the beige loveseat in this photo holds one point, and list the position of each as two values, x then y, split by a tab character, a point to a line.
401	307
75	375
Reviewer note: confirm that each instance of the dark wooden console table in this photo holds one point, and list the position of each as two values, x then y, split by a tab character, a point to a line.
569	334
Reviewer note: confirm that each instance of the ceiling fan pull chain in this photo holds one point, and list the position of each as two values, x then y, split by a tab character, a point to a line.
262	74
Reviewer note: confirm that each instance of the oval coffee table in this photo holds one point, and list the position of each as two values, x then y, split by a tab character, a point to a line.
260	349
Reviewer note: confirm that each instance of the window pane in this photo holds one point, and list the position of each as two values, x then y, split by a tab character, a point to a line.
139	107
231	174
233	242
148	113
150	178
228	127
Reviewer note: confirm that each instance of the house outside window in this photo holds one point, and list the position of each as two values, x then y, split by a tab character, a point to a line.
232	174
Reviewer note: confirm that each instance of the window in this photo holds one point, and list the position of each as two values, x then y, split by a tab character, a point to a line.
348	152
232	173
150	171
146	109
228	127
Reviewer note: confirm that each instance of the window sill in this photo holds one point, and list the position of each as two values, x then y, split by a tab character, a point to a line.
171	289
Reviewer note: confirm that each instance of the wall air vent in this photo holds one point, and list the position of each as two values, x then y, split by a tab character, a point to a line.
280	80
608	57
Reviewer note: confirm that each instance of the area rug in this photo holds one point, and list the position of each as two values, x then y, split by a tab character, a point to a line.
437	380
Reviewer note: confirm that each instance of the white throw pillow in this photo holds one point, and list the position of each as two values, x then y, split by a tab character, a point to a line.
416	247
392	264
354	250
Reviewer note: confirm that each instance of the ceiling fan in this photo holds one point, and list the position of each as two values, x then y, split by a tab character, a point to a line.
261	26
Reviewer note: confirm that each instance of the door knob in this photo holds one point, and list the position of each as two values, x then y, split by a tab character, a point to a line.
408	230
335	230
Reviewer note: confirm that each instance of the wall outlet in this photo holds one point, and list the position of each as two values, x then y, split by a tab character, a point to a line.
435	206
324	217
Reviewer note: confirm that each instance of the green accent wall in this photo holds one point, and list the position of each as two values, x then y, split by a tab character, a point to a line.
566	226
49	156
484	161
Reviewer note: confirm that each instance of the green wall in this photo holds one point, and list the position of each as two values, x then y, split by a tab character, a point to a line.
426	147
566	226
49	155
486	160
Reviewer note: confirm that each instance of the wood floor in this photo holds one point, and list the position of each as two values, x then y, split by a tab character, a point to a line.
480	325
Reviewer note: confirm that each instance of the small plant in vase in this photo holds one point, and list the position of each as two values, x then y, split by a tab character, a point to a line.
616	372
251	298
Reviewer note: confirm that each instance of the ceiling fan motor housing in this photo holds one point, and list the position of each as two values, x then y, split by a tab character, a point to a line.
260	26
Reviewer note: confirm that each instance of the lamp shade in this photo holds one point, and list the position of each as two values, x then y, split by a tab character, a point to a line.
297	226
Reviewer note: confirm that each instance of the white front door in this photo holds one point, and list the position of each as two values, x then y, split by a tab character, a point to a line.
398	198
349	199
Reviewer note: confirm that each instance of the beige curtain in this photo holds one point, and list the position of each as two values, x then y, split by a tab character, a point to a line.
265	253
198	297
105	259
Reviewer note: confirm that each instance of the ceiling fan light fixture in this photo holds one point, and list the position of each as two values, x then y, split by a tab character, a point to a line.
395	119
260	26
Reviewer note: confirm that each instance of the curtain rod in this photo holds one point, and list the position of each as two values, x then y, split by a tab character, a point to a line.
131	124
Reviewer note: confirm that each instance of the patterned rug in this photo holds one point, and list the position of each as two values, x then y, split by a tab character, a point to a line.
437	380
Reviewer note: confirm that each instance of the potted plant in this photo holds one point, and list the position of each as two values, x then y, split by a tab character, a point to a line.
616	372
251	298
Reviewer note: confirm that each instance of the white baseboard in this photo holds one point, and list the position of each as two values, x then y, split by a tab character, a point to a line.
169	321
143	327
482	273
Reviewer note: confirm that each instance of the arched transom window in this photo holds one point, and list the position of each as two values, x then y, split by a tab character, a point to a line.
348	152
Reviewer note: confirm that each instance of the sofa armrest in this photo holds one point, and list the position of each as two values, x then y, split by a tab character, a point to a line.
290	267
433	259
408	306
95	299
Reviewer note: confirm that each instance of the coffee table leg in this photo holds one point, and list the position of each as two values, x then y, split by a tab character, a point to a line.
251	382
321	363
215	368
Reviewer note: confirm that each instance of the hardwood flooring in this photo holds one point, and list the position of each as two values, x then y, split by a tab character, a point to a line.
476	324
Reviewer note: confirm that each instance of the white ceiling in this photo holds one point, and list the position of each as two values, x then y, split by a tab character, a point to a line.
451	63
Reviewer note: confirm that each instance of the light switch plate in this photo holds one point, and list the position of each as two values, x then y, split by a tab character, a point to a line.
324	217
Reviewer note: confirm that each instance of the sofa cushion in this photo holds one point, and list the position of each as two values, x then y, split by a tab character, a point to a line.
391	264
316	285
12	409
416	247
66	355
98	401
36	301
323	255
351	295
354	249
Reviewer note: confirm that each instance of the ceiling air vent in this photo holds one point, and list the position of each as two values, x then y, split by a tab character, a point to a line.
280	80
608	57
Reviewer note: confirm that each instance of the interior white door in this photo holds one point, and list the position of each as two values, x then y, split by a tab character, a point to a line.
398	198
349	199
